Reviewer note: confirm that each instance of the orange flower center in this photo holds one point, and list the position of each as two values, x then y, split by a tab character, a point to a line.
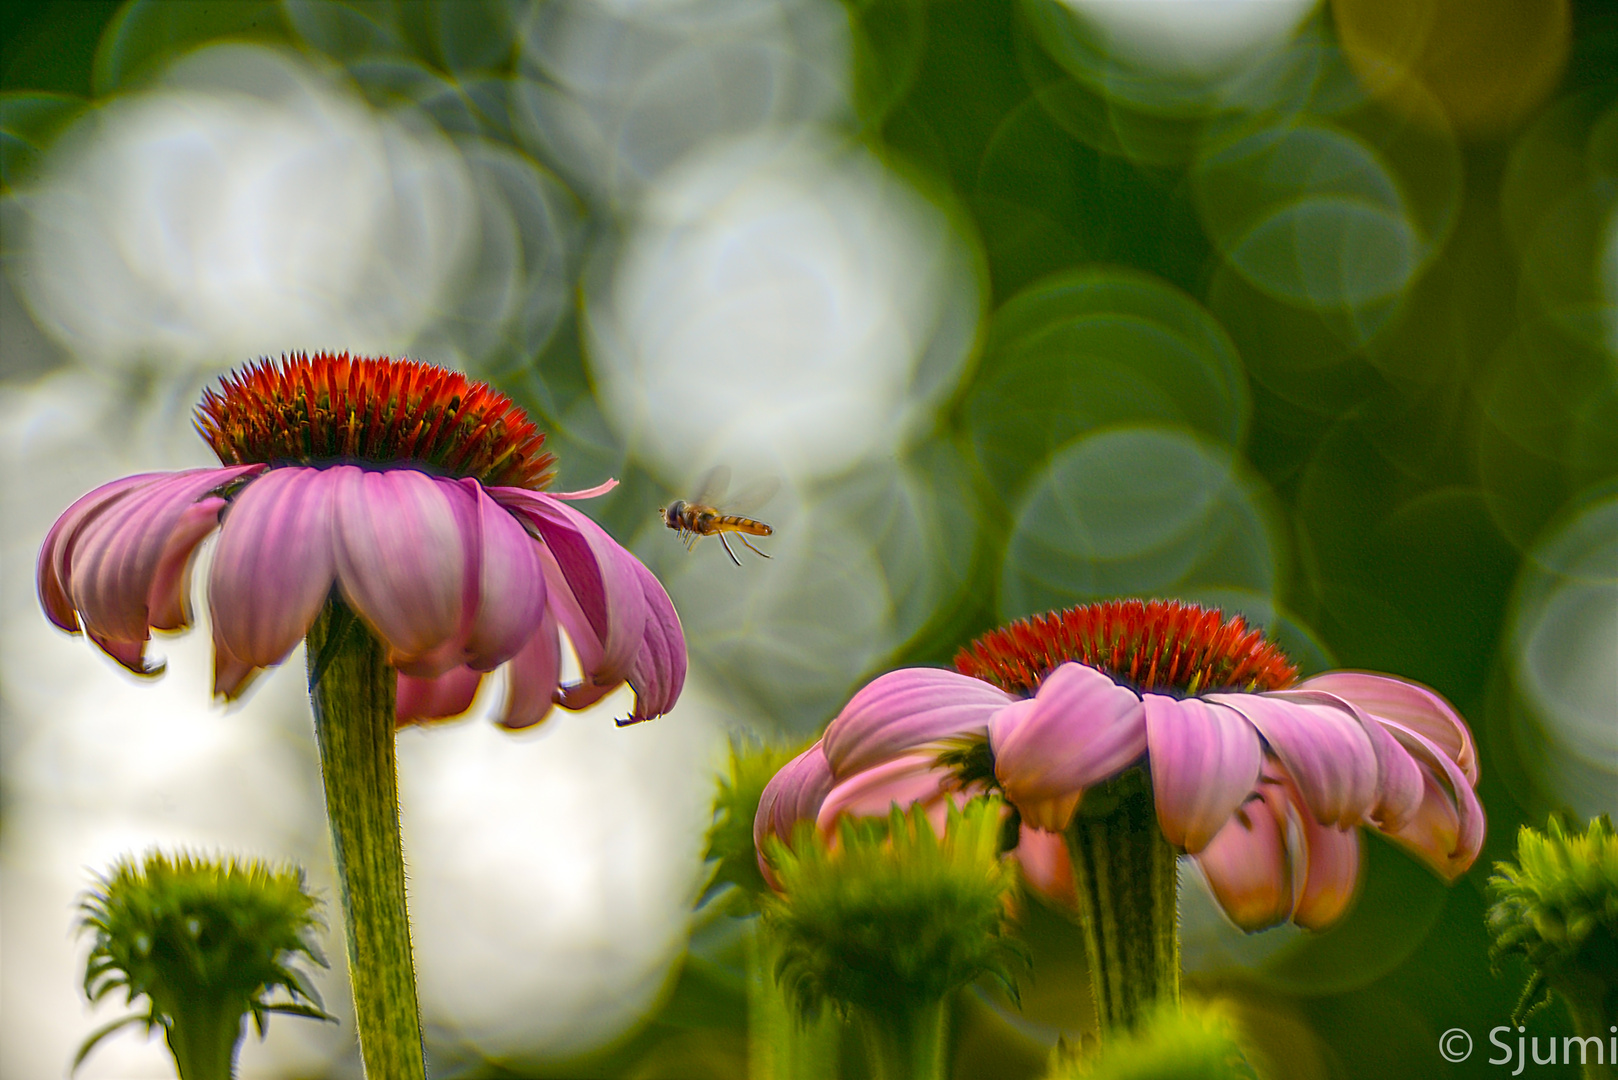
1151	645
325	408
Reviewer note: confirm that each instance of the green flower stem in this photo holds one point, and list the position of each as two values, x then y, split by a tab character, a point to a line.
352	688
1595	1015
1126	881
780	1045
905	1044
203	1038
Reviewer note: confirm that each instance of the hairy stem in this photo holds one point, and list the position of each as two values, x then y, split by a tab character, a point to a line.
352	688
1126	881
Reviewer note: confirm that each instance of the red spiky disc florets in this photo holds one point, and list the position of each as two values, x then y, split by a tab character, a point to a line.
1151	645
322	408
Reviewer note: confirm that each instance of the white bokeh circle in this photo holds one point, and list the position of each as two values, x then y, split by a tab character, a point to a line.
243	207
786	303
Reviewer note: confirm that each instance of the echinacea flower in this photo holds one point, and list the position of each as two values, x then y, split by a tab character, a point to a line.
1160	705
390	512
412	491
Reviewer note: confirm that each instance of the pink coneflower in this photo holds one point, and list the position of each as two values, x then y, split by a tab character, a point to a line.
411	490
389	512
1177	723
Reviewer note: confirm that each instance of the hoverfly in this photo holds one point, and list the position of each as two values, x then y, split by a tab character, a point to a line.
701	515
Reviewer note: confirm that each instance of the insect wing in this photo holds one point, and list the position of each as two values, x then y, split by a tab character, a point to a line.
751	498
712	486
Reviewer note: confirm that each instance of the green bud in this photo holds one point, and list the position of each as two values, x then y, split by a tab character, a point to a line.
891	918
1557	907
1172	1043
204	943
730	849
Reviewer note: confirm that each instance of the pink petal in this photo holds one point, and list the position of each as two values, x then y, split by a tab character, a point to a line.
1324	747
1405	704
532	677
131	654
273	567
908	780
511	584
795	793
1331	876
450	694
1398	780
52	568
595	590
407	562
1046	866
588	493
906	710
111	560
231	674
168	604
659	672
1446	831
1204	760
1078	729
1248	864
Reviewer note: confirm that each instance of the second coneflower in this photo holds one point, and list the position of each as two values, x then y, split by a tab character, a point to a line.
1139	730
391	512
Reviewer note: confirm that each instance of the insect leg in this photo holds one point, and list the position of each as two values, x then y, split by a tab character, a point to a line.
729	552
750	547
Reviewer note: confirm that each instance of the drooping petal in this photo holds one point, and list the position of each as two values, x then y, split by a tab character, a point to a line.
1407	704
659	672
595	590
1331	873
1398	779
1078	729
795	793
1324	747
107	562
1446	831
273	567
1204	761
168	604
511	584
231	674
1248	865
914	778
52	568
532	677
905	710
450	694
407	549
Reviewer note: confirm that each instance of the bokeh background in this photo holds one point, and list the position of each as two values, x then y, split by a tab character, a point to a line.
1308	310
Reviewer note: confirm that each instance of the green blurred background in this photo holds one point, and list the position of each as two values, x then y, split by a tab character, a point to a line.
1308	311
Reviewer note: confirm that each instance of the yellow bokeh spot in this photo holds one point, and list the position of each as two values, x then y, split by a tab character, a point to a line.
1490	63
